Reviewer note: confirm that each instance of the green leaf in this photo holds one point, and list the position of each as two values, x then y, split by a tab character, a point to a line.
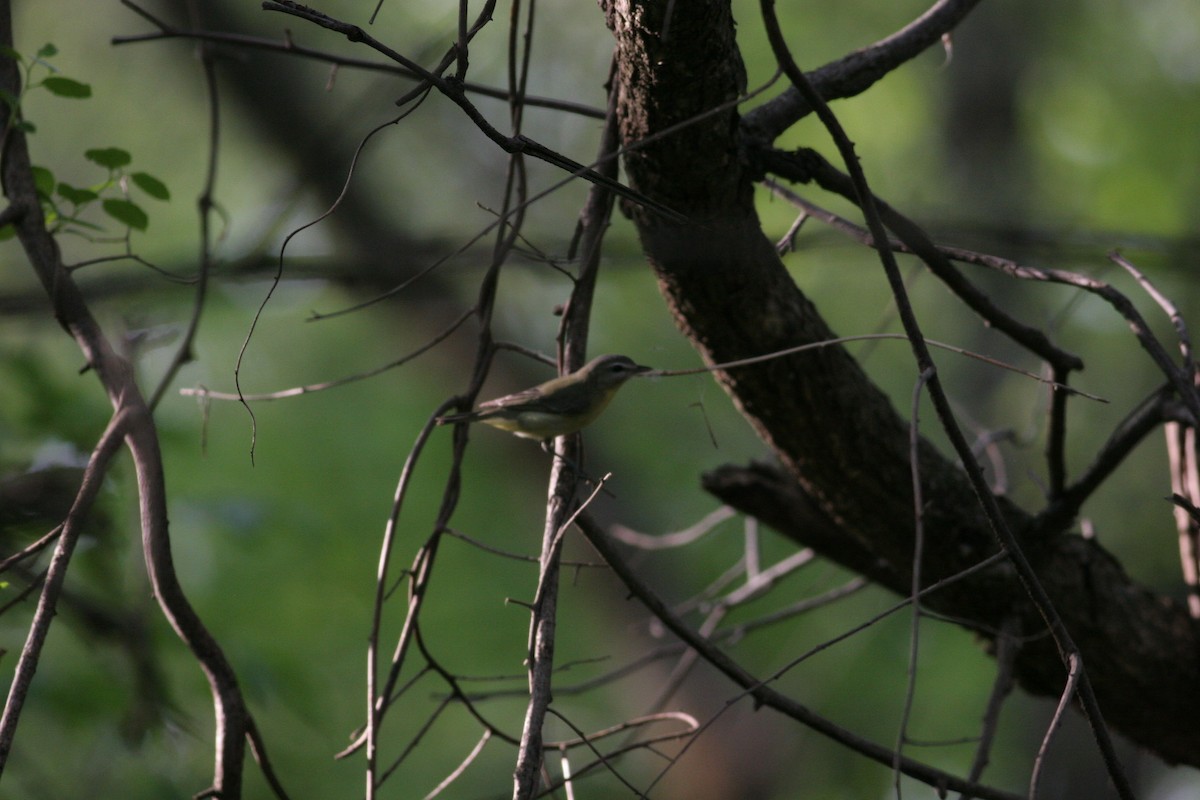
44	179
76	195
26	126
151	185
126	212
9	99
110	157
65	87
7	232
8	52
48	50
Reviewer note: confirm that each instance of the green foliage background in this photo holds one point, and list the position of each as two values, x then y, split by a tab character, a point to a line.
280	554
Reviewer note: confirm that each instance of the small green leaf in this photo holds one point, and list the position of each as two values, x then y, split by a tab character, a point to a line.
7	232
48	50
151	185
65	87
76	195
8	52
127	213
110	157
44	179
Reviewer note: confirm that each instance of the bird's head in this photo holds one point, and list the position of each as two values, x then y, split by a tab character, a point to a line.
609	372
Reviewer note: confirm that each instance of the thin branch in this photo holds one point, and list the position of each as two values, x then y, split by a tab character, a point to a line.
93	479
31	549
858	71
914	444
287	46
1006	655
745	362
757	583
184	352
666	541
258	749
462	767
638	744
732	635
601	758
378	695
1064	701
416	739
296	391
1142	420
1181	331
758	689
807	164
277	278
515	145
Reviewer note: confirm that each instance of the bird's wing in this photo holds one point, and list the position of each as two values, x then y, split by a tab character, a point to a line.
550	396
510	402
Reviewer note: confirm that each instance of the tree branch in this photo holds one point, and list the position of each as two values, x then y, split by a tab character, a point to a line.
116	376
835	433
855	73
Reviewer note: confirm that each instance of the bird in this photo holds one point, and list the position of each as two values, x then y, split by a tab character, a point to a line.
559	406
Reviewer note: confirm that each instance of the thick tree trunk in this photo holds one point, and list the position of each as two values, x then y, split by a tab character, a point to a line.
844	449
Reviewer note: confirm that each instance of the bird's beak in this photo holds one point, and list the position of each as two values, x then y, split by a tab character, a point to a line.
643	370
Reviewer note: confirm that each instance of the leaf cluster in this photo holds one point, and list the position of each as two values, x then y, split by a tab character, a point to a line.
63	204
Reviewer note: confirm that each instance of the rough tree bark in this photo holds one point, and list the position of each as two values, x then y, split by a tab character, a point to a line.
845	482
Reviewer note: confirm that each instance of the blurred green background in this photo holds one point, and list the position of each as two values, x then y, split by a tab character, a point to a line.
1053	134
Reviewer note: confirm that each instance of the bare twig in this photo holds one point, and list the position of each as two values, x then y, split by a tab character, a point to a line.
296	391
183	353
461	768
93	478
759	690
31	549
745	362
601	758
692	533
914	439
379	693
1064	701
1007	649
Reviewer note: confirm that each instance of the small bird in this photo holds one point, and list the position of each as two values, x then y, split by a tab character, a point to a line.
556	407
